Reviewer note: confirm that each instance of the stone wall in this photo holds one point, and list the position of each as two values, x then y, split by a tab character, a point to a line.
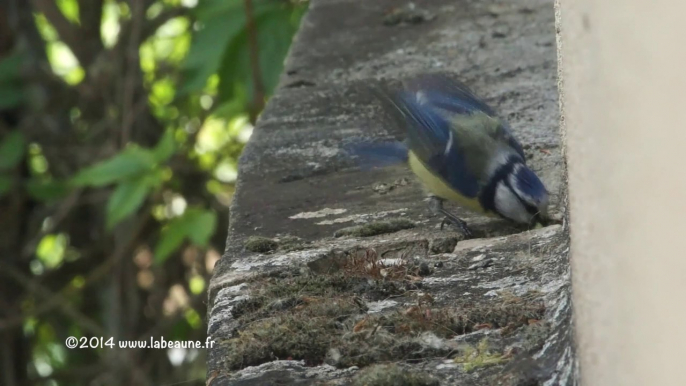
393	298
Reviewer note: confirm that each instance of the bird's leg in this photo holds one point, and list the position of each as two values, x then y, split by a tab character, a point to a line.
436	206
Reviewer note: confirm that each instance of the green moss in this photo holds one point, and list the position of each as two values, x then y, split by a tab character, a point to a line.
281	294
479	356
378	345
292	243
307	317
264	244
375	228
305	335
260	244
462	319
392	375
314	285
322	317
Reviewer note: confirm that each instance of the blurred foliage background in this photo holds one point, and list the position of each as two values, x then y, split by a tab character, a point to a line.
121	122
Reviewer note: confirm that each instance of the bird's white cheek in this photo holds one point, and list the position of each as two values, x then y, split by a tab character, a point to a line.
508	205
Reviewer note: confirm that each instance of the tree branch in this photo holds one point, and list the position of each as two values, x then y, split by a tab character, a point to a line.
90	14
132	70
258	98
67	309
54	300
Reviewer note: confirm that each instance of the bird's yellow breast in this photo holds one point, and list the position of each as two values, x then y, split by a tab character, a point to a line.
440	188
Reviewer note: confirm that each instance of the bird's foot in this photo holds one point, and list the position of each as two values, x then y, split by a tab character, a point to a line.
458	223
436	206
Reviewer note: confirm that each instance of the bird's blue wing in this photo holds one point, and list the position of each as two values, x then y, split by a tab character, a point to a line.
441	91
435	144
454	97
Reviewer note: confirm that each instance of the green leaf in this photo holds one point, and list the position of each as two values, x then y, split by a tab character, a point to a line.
276	30
131	162
222	45
70	10
276	25
180	331
193	318
230	109
10	68
222	20
10	96
11	90
165	147
202	225
47	190
196	284
5	185
12	150
128	197
208	9
171	238
198	225
51	249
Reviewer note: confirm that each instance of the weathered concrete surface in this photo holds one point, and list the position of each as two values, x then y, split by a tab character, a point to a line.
511	288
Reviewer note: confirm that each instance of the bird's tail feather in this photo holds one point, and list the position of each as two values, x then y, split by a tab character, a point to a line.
376	155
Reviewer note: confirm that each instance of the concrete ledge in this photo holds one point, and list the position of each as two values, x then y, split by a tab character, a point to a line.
301	306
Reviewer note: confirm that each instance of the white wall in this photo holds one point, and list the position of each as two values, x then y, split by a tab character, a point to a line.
623	67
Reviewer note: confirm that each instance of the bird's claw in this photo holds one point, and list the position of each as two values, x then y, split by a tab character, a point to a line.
436	205
459	223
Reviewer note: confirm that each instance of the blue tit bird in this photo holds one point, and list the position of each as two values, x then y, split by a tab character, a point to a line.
461	151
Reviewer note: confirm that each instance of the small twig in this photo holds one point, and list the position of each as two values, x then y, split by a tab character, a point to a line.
67	309
258	98
103	269
60	214
7	354
55	300
132	70
164	324
90	16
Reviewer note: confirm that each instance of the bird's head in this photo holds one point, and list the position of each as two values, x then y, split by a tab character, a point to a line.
520	196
